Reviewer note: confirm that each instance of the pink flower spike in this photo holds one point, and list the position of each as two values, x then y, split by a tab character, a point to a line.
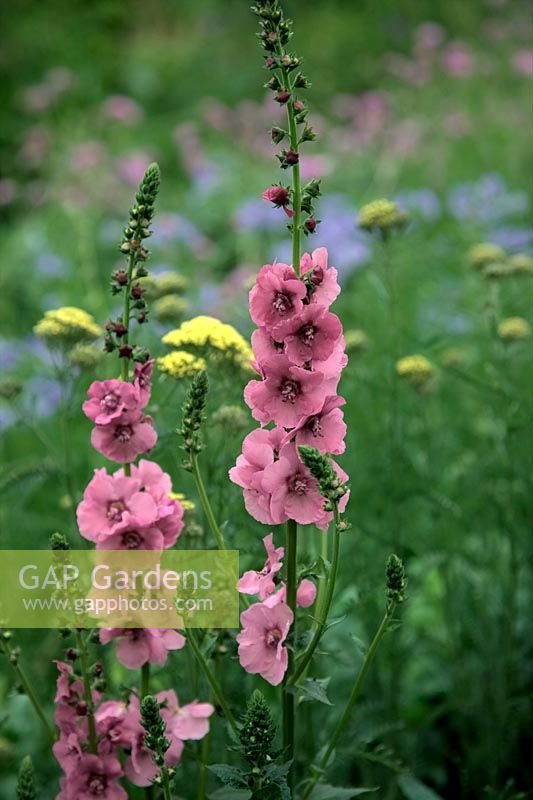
277	295
325	430
108	400
124	438
310	335
262	583
142	380
305	595
323	278
261	649
287	394
133	539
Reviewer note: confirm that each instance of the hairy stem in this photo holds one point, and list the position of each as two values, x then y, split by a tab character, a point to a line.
28	690
288	697
206	505
324	609
211	679
354	694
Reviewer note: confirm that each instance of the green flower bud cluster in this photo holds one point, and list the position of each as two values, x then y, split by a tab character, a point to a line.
330	485
396	581
193	415
26	780
257	732
154	737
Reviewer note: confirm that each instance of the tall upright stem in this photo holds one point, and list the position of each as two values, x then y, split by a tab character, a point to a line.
296	186
288	697
212	680
27	687
323	610
125	365
206	505
354	694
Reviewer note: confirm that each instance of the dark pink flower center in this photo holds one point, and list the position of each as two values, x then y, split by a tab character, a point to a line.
317	276
281	303
97	785
109	401
132	540
273	637
314	426
289	390
115	510
298	484
307	333
123	433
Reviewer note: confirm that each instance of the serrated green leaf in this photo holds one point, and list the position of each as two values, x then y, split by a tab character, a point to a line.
313	689
324	791
231	777
413	789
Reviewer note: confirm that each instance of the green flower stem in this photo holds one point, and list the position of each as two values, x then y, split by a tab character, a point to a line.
125	365
296	186
211	679
145	679
354	694
206	505
82	647
325	608
288	697
28	691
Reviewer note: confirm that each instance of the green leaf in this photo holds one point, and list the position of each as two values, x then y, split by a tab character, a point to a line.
324	791
227	793
413	789
232	777
313	689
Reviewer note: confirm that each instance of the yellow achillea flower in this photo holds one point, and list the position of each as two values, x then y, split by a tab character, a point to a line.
383	215
187	505
212	334
84	356
520	264
180	364
356	341
416	369
169	308
514	329
67	325
164	284
480	255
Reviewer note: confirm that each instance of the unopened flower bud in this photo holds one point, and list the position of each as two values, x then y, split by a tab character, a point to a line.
310	224
282	97
125	351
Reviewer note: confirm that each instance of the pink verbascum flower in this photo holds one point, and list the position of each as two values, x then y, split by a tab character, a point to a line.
287	393
138	646
310	335
108	400
262	583
186	722
261	641
323	279
124	438
305	595
133	539
294	491
259	449
113	503
277	295
94	777
325	430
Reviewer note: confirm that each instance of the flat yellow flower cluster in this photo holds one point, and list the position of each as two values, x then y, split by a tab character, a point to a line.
186	504
67	325
485	253
416	369
215	337
383	215
180	364
514	329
